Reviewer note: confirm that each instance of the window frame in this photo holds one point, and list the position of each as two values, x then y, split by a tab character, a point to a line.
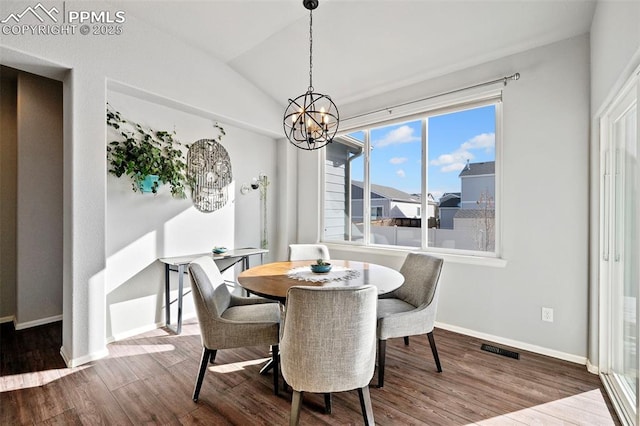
434	108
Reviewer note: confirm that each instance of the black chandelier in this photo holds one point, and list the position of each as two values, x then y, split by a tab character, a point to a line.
311	120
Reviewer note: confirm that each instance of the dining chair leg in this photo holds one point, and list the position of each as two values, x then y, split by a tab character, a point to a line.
296	404
432	343
206	353
327	403
365	405
275	356
382	348
406	340
212	359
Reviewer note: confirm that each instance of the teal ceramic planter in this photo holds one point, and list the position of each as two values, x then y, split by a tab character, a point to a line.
149	183
321	269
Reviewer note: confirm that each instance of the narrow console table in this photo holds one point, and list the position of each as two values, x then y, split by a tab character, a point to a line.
180	263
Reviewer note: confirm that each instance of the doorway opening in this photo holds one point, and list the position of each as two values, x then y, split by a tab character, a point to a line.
31	199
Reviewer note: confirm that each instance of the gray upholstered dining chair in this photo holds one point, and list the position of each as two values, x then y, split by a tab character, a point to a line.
411	309
308	252
328	343
228	321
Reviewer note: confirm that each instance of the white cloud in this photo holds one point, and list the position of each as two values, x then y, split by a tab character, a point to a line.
455	157
456	160
403	134
398	160
455	167
400	173
484	140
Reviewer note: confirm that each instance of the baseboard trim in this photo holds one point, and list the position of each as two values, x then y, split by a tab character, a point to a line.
139	330
35	323
134	332
593	369
74	362
515	344
10	318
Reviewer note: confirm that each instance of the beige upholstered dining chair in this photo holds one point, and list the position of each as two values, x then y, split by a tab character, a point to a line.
228	321
329	343
308	252
411	309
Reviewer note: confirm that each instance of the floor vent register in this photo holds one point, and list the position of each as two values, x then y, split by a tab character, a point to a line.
500	351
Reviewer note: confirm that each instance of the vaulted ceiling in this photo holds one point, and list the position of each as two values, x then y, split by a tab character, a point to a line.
362	47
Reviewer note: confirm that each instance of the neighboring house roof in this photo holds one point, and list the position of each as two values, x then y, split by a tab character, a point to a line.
451	202
474	214
448	195
450	199
479	169
430	199
387	192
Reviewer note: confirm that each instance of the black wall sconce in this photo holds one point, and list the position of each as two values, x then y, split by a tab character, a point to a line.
256	183
261	183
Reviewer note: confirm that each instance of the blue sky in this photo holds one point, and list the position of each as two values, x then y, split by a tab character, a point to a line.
452	139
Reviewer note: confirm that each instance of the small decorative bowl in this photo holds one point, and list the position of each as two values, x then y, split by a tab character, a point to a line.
219	250
320	269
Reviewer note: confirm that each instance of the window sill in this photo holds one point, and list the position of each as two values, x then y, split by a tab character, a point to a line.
494	262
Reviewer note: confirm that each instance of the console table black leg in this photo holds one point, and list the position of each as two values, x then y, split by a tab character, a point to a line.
180	289
167	296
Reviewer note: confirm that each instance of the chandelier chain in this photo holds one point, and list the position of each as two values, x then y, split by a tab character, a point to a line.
311	120
311	50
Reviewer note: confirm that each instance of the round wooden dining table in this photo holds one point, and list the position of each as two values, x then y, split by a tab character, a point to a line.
273	280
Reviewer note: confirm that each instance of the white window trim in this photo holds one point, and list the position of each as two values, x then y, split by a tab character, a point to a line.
603	256
398	251
443	105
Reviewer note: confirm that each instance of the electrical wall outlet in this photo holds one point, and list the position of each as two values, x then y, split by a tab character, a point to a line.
547	314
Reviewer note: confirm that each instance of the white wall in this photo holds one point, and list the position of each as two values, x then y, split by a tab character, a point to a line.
144	58
39	201
144	227
615	53
287	186
545	152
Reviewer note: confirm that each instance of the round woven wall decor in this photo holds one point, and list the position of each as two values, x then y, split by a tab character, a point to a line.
209	175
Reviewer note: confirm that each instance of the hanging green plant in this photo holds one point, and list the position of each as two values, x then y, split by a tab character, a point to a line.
142	152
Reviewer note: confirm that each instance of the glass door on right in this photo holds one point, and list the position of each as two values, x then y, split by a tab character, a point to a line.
620	251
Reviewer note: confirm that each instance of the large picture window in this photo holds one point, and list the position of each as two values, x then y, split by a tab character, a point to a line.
428	181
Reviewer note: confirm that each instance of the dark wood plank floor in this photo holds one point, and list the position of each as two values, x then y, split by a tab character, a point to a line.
149	379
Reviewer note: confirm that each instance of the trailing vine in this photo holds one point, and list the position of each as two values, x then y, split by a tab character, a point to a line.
141	152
